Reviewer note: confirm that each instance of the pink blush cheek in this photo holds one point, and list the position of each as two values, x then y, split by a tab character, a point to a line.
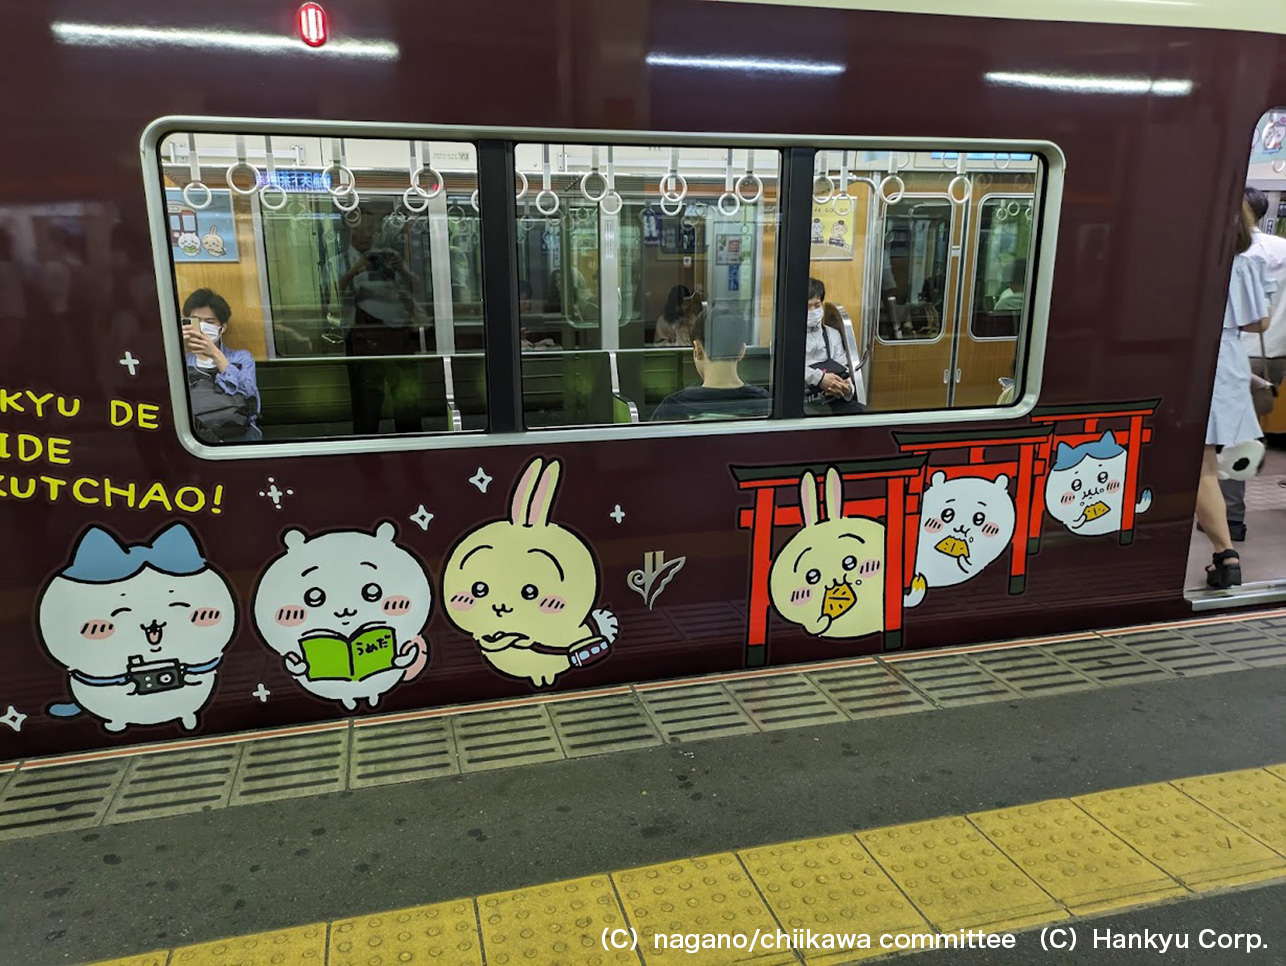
462	602
97	630
990	530
871	567
1113	486
552	605
1068	497
291	616
933	525
206	616
801	596
396	606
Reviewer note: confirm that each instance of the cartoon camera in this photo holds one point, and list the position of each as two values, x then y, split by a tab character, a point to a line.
150	677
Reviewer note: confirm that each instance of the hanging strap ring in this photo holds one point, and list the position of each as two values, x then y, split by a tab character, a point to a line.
678	204
829	182
352	216
346	202
455	216
429	193
728	204
544	209
1006	161
674	197
898	186
741	195
344	185
844	204
611	203
959	189
279	196
421	202
187	195
234	169
473	200
584	186
1279	167
522	192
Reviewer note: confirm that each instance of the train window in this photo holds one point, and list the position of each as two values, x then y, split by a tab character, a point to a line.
646	291
326	287
930	316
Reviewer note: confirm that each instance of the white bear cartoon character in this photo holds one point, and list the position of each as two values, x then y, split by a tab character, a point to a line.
141	629
965	524
346	611
829	578
188	243
1086	487
525	588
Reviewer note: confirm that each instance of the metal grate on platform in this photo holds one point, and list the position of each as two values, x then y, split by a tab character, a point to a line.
1033	671
696	711
1242	642
1108	663
498	739
1178	654
784	701
173	784
61	797
404	751
953	680
292	766
595	726
869	691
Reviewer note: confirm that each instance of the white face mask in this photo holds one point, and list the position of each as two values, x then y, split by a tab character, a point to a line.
814	316
212	329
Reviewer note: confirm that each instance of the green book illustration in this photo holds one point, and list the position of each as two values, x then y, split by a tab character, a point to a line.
331	657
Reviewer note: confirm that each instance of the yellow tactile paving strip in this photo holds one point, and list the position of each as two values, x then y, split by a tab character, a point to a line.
996	871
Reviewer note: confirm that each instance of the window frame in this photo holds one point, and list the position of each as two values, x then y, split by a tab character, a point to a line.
1032	340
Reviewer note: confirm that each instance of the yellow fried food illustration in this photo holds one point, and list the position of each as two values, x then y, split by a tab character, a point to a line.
952	547
829	578
1096	510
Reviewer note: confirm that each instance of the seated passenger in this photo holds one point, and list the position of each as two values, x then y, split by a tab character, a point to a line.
222	392
1013	298
831	387
674	325
718	344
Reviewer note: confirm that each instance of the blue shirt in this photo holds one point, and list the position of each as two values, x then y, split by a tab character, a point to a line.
238	377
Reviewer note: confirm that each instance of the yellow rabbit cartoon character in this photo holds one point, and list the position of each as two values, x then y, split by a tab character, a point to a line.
525	588
829	578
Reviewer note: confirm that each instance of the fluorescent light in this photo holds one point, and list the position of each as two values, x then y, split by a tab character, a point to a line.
1080	84
214	38
763	65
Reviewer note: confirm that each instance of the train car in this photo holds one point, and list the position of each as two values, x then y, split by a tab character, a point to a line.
367	359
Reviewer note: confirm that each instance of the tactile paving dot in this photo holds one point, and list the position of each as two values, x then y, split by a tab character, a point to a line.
831	885
560	923
710	895
958	879
1253	800
1074	858
445	933
1183	838
304	946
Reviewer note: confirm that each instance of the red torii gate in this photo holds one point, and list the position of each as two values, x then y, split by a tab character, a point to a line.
766	481
1023	469
1132	439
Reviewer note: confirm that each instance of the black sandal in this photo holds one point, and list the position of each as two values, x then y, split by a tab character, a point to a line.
1223	574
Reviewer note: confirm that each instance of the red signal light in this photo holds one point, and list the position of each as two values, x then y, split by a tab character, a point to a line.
312	24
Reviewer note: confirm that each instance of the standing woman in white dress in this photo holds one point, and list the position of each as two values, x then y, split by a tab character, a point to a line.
1232	412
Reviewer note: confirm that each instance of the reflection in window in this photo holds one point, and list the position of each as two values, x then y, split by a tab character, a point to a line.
622	268
913	275
322	252
1000	285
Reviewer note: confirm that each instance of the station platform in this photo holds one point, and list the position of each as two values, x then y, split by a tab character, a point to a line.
1121	784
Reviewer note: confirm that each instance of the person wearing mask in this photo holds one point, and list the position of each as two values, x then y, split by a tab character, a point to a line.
718	345
222	391
1232	414
832	386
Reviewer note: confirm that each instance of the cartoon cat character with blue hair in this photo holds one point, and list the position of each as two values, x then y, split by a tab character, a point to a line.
1085	490
140	628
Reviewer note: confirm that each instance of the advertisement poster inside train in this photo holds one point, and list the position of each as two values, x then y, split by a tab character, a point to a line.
205	234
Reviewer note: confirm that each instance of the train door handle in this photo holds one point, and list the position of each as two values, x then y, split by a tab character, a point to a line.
946	376
957	377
